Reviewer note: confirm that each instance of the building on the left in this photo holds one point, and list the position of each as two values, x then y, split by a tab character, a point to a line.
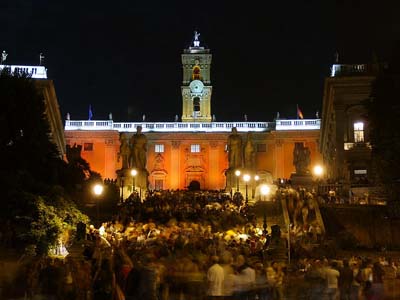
46	89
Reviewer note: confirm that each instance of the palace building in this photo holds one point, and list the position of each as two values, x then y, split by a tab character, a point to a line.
194	149
46	89
344	142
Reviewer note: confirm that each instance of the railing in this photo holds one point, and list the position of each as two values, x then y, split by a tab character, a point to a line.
349	146
301	124
169	126
36	72
193	126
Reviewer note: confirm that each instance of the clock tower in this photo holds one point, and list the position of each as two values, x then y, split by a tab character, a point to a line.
196	85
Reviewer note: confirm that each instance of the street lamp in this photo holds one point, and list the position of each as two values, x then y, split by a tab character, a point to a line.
265	190
318	171
246	178
133	173
253	191
97	190
237	173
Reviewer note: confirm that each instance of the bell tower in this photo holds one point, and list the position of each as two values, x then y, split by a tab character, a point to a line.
196	85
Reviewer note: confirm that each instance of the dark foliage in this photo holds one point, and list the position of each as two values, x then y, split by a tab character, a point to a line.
384	114
36	183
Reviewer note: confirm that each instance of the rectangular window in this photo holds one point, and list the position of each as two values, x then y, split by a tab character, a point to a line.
195	148
261	147
159	148
360	172
87	146
358	132
158	184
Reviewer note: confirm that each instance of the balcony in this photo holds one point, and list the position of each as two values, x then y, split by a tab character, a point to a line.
298	124
36	72
192	126
350	146
169	126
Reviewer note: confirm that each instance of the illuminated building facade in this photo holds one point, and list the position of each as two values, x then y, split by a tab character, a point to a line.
344	142
46	89
194	149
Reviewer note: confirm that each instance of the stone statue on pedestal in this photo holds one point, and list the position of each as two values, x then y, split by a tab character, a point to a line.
124	151
301	159
138	157
249	153
139	148
235	150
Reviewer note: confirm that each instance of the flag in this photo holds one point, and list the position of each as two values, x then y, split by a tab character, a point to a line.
299	113
90	112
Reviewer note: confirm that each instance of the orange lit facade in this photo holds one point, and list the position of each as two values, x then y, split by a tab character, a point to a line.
177	165
195	148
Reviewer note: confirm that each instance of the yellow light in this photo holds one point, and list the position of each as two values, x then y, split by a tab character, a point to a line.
237	173
318	170
246	177
98	189
133	172
265	189
256	178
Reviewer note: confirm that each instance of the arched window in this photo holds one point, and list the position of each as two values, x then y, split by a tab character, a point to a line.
196	104
196	73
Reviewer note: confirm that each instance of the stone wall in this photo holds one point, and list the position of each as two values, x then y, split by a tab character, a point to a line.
370	225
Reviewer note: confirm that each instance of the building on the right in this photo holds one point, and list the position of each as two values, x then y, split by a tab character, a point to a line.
344	139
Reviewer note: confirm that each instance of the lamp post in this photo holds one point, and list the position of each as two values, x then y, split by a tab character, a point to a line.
246	178
97	190
253	190
265	190
237	173
133	173
122	188
318	171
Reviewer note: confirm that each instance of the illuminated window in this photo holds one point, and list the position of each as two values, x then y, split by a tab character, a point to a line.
87	146
195	148
359	132
159	148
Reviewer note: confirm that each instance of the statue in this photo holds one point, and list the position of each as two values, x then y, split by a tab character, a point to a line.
235	149
301	159
196	41
249	153
139	149
124	150
3	56
110	116
196	35
41	59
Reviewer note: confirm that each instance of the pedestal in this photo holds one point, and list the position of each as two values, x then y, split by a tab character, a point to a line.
305	180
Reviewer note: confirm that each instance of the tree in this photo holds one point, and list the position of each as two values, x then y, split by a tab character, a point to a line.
383	109
36	195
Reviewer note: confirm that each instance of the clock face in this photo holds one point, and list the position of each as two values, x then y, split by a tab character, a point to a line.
196	86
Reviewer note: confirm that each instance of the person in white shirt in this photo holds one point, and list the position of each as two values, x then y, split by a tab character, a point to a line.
215	279
331	277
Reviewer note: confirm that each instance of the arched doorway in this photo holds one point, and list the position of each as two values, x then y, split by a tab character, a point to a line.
194	185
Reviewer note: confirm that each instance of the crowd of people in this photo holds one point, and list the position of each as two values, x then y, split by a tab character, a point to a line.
179	245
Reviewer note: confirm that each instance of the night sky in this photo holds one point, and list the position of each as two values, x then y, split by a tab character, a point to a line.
124	56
